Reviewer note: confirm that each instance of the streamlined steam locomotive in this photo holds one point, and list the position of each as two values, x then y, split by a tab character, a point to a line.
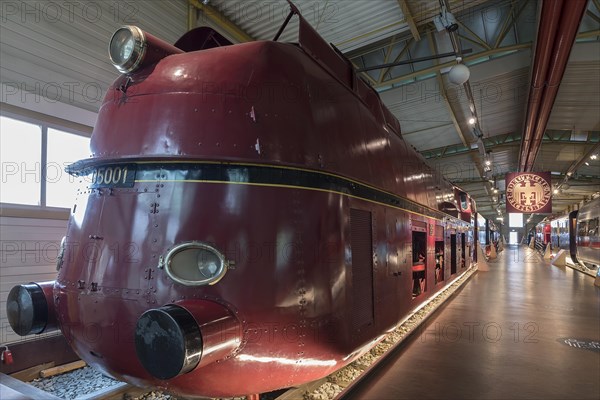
250	219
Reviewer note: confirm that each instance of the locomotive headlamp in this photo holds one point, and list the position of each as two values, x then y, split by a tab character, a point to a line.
127	48
195	264
131	48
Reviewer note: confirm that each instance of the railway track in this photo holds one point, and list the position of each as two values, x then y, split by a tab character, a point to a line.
72	385
87	384
342	383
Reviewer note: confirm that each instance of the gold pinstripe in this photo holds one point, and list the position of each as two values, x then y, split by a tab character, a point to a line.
158	161
288	187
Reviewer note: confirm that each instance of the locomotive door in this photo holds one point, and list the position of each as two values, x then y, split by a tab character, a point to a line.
452	253
361	237
463	250
82	247
121	226
439	254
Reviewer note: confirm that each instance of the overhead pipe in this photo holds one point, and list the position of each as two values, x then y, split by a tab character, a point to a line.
549	21
573	12
559	23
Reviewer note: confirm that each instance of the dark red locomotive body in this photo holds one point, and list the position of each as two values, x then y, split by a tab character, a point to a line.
281	164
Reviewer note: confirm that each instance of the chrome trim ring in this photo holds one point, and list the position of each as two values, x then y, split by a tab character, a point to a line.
137	55
168	259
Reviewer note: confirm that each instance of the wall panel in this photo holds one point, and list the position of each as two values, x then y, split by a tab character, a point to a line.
58	50
28	251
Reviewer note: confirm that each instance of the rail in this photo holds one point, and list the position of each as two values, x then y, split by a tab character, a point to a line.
342	383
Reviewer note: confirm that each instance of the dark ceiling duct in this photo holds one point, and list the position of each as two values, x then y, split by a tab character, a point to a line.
549	20
559	23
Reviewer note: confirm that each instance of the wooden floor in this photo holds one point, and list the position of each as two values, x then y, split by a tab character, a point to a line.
522	330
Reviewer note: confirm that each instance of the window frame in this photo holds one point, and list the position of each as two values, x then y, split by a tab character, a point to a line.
45	122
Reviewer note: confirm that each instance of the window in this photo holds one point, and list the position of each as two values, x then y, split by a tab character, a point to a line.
31	150
439	259
63	149
582	228
515	220
21	154
593	227
419	266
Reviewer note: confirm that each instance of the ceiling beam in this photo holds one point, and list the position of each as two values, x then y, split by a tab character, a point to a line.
444	93
588	34
192	17
593	16
507	139
367	34
387	52
222	21
426	129
580	181
578	163
396	59
381	44
448	64
597	4
472	57
409	20
365	75
512	17
476	38
451	112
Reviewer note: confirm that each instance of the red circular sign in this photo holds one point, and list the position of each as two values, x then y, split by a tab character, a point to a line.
528	192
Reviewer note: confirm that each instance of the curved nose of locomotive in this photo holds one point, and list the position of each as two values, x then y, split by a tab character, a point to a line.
30	308
177	338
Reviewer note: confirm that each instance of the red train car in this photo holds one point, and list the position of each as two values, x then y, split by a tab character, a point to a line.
543	232
251	220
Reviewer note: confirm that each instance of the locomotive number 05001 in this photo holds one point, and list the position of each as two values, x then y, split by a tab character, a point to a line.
114	176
